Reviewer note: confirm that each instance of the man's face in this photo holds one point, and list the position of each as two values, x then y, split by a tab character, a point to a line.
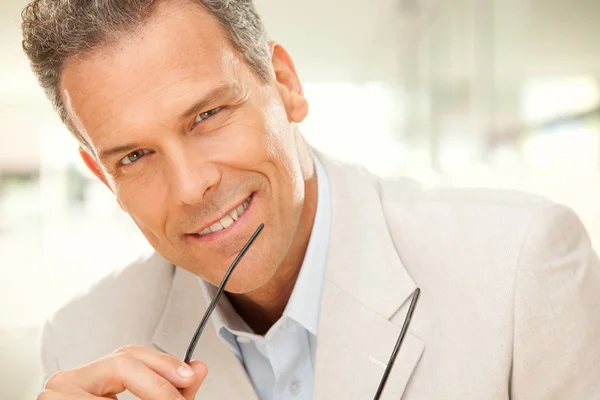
198	149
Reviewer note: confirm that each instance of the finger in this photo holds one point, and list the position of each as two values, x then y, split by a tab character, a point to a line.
120	372
66	383
167	366
147	373
201	370
170	367
135	376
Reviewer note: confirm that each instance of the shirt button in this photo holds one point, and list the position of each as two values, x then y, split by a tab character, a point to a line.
295	387
242	339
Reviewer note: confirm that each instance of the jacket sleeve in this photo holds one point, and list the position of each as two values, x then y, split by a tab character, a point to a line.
557	312
49	358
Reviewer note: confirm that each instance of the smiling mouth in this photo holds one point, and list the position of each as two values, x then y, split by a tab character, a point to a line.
228	219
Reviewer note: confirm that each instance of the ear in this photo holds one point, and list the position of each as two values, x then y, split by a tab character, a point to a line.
288	83
92	165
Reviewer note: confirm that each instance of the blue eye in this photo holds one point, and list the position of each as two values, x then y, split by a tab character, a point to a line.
206	115
133	156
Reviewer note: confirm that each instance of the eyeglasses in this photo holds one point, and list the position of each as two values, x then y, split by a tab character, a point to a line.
215	300
390	364
221	289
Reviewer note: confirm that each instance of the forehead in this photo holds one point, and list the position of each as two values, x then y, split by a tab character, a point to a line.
177	56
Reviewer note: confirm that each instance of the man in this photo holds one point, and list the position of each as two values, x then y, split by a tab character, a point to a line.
188	114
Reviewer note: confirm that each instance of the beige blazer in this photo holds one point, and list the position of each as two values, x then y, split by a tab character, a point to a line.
510	304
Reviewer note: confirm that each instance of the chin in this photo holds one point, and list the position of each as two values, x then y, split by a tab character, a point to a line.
249	275
246	281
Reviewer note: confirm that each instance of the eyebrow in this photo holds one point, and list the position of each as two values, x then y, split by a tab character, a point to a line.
107	154
215	94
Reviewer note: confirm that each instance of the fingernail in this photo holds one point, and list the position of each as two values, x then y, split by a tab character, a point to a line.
185	371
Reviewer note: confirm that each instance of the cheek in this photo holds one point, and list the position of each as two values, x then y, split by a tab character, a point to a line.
144	200
278	132
284	148
254	139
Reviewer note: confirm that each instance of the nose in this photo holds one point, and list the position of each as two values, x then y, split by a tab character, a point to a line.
191	176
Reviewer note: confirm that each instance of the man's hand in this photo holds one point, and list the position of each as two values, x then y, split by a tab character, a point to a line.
147	373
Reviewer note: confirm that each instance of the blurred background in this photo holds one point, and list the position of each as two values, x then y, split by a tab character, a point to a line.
494	93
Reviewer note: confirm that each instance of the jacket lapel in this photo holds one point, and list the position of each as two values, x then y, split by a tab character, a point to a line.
365	285
185	307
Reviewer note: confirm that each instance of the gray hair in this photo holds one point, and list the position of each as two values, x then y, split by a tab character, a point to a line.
54	31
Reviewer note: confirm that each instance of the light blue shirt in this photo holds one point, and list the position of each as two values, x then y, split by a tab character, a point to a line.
281	363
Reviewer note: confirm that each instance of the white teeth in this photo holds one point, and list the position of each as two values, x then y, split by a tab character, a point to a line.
226	221
216	227
240	209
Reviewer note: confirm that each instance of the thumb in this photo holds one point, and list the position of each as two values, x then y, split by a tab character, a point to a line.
201	370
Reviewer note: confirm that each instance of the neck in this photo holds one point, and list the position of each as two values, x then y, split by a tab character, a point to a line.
263	307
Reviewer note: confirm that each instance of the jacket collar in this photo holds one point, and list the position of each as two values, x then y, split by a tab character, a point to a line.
366	284
363	260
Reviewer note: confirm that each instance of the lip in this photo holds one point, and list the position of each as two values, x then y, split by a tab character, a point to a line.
231	228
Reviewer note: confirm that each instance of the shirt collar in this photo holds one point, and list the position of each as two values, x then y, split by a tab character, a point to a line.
305	301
